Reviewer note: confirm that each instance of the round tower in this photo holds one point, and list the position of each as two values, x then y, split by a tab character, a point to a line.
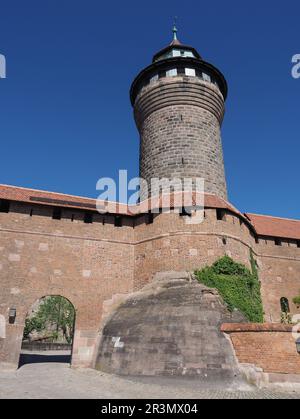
178	105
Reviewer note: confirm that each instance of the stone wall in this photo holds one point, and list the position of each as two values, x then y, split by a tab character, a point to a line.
267	346
179	122
170	328
91	264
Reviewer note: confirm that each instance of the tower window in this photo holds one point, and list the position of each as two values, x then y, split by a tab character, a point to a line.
88	218
206	77
221	215
224	241
285	305
56	214
298	243
154	78
118	221
190	72
177	53
278	242
4	205
149	218
172	72
216	84
189	54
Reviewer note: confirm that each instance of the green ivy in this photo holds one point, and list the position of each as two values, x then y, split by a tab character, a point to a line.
55	314
238	286
296	301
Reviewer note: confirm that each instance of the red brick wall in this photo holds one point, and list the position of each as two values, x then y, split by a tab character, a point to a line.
270	347
91	263
280	276
170	244
85	263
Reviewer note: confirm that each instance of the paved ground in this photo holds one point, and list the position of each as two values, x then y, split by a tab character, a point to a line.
53	380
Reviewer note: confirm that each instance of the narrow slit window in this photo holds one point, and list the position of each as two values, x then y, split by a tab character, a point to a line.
149	218
221	215
56	214
118	221
88	218
4	205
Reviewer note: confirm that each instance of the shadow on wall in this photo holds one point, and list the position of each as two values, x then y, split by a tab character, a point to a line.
34	358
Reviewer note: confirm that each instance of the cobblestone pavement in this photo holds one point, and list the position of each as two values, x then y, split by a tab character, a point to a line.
57	380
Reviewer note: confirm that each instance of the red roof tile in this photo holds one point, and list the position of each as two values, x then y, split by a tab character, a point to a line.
33	196
263	225
275	227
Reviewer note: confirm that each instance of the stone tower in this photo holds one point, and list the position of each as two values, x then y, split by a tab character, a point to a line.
179	107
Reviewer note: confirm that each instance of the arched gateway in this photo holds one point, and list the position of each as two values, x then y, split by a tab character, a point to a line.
49	331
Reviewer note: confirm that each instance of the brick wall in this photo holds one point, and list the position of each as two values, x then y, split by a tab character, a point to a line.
268	346
279	275
170	244
85	263
90	264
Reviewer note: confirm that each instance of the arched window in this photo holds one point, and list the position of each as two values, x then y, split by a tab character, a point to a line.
285	305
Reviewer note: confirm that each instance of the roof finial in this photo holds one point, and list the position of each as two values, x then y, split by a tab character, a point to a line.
175	30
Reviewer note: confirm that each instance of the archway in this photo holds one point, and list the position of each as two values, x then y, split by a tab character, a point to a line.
49	331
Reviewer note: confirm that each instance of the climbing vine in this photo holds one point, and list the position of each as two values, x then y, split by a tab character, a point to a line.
238	286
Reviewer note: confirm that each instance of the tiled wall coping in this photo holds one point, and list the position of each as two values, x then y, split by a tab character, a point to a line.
255	327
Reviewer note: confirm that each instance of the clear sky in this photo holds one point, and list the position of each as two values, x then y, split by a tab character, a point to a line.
65	114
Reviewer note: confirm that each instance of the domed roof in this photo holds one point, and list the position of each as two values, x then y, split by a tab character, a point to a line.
176	49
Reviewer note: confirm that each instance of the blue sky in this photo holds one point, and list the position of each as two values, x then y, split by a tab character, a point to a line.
65	114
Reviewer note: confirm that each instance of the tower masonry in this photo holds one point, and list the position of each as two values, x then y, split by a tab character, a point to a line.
178	105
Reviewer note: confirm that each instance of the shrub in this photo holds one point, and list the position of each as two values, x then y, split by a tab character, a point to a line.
296	301
237	285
